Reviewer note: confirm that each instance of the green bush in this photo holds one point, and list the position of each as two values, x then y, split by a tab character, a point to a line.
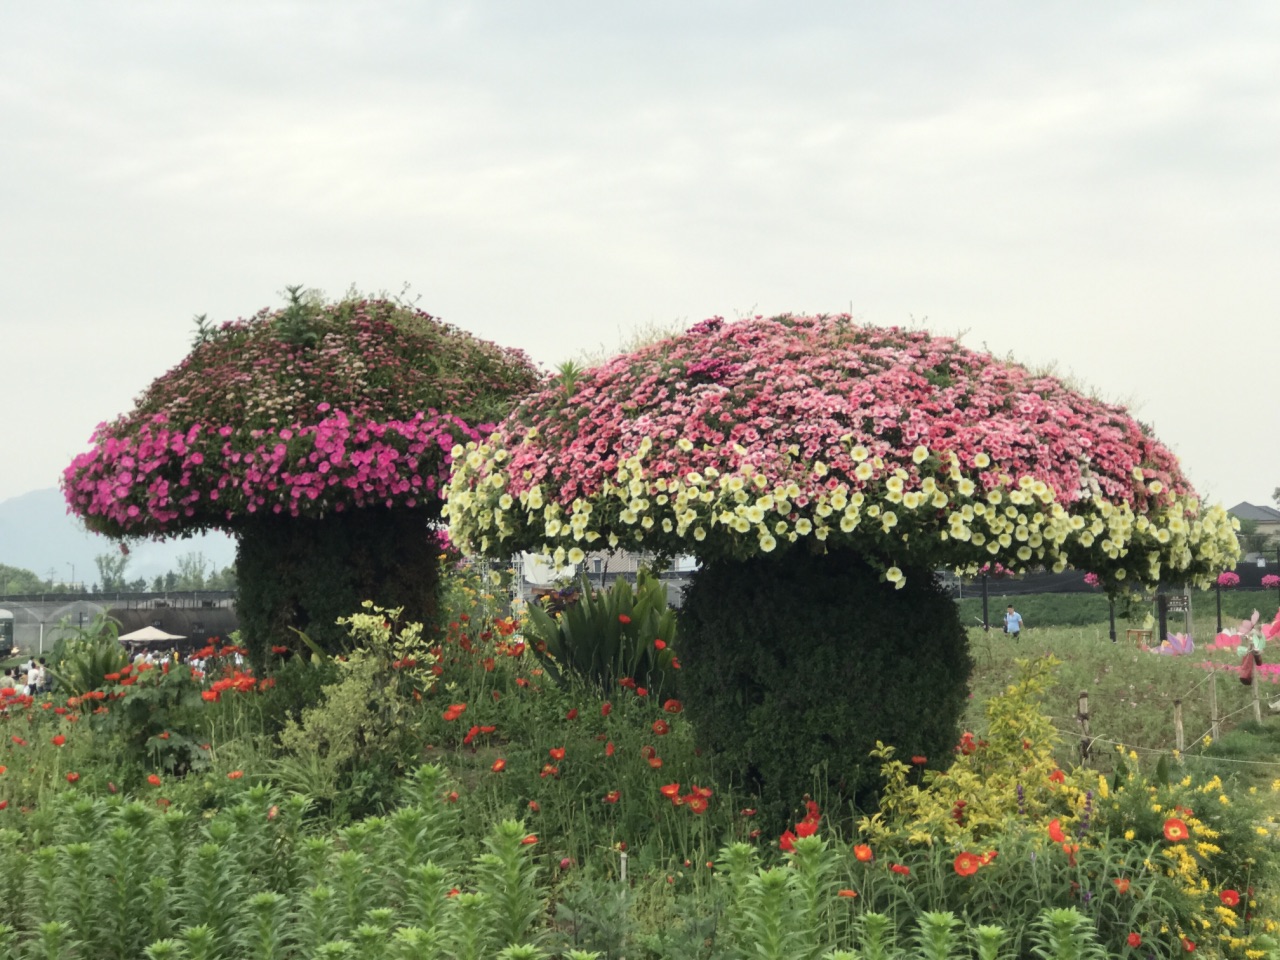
793	669
609	635
304	574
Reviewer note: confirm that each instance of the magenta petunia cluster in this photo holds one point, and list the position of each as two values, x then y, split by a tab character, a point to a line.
735	439
339	408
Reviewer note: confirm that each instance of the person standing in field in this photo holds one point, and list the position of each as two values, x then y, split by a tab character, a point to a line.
1012	622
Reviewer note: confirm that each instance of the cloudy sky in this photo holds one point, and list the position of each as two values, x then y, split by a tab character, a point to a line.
1095	185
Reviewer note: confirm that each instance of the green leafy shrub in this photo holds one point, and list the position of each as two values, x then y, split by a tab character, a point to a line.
346	750
82	658
794	668
610	635
325	567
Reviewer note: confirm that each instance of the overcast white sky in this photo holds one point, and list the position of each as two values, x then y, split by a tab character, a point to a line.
1096	184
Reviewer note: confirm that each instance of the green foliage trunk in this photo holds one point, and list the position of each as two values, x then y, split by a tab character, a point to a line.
793	668
303	574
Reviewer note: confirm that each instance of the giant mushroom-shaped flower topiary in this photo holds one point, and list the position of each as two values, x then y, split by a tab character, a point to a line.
821	471
320	436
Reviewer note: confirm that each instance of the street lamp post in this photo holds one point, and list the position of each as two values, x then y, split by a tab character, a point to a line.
73	574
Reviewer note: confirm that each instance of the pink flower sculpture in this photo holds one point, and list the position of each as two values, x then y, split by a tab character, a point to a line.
1176	645
301	412
745	438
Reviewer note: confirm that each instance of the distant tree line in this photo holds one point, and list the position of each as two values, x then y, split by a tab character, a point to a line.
195	572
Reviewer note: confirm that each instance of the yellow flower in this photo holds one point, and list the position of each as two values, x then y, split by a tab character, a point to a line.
1129	834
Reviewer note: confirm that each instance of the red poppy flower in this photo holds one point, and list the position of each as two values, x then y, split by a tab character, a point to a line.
572	714
1134	940
806	828
530	840
1230	897
451	796
235	774
72	777
4	804
623	618
847	894
521	682
549	770
647	752
1175	830
661	728
919	761
787	842
696	803
557	753
672	706
454	712
19	741
212	696
967	864
1057	777
670	790
659	644
862	852
1188	945
1055	831
1122	884
900	869
1071	849
279	650
608	749
154	780
606	708
641	692
704	792
613	796
59	740
675	663
533	807
499	765
628	683
655	762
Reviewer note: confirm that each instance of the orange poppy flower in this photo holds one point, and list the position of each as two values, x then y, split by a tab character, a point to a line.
1055	831
661	728
613	796
847	894
1122	884
1175	830
153	780
530	840
235	774
670	790
499	765
696	803
862	852
967	864
556	753
1230	898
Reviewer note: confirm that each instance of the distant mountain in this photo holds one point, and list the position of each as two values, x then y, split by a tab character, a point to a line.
37	534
